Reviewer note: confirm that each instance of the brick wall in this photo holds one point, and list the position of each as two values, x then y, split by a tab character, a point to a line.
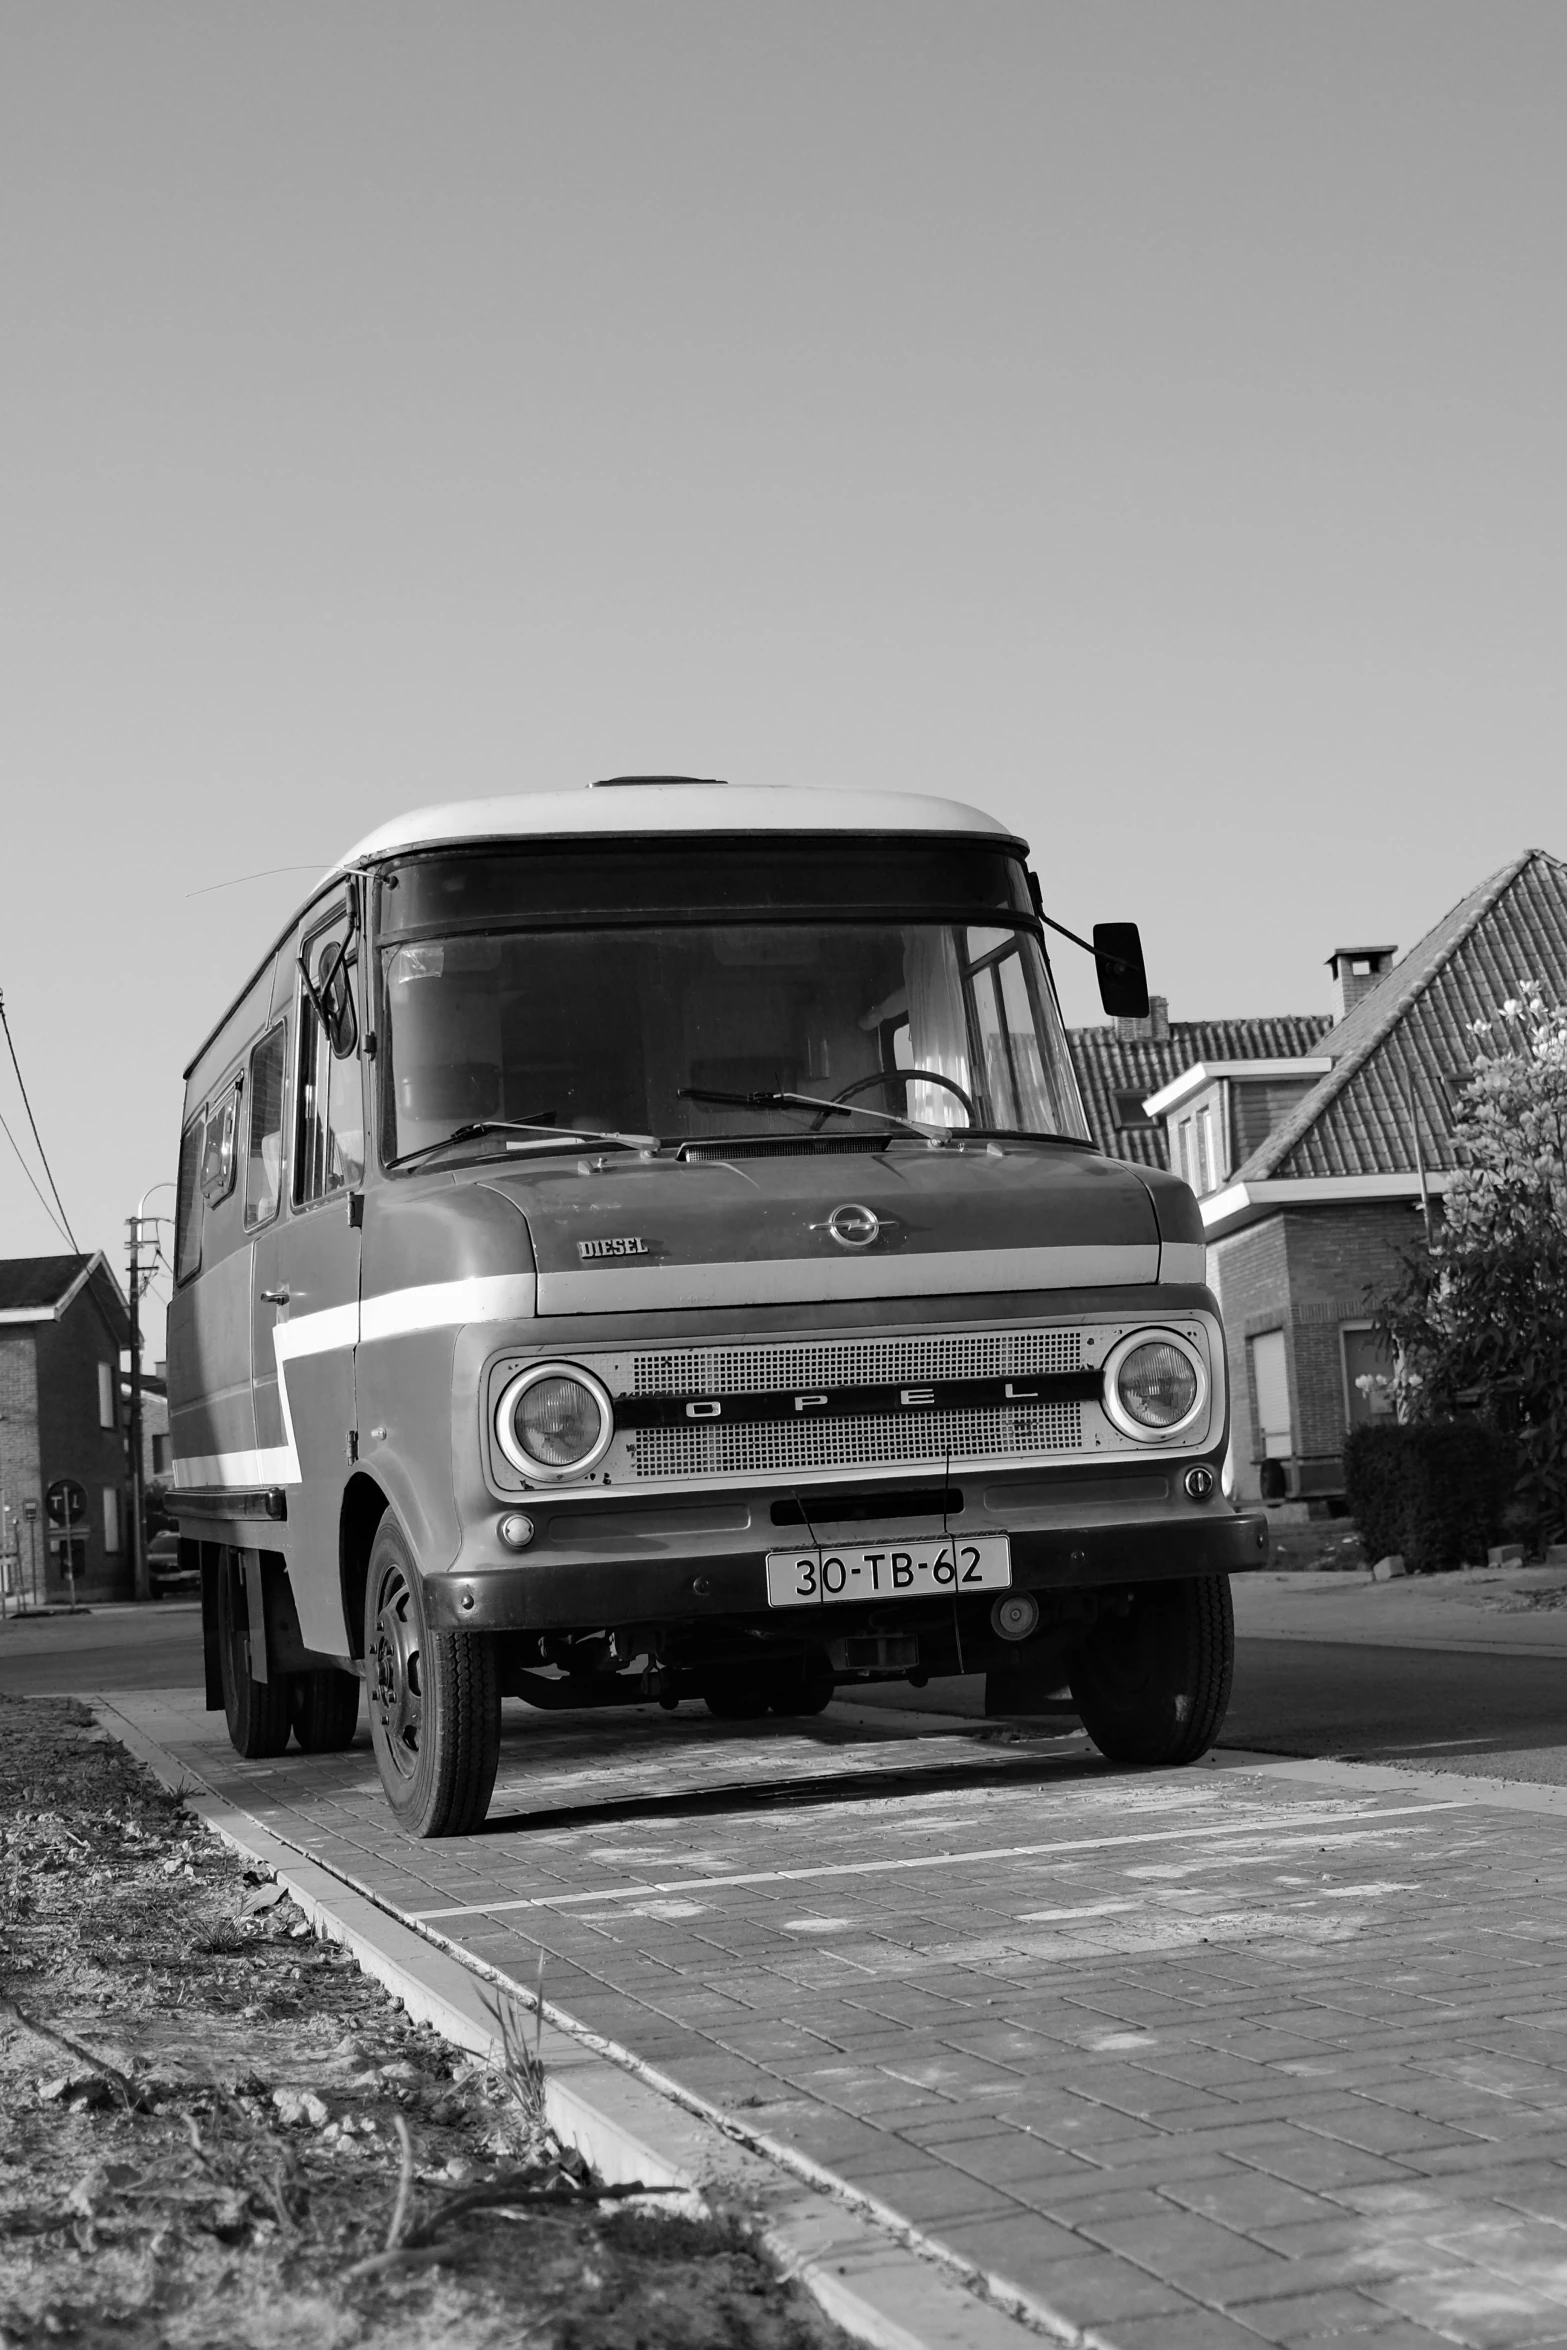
1305	1271
73	1443
19	1478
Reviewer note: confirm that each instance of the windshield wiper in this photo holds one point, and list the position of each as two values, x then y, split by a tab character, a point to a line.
571	1135
814	1101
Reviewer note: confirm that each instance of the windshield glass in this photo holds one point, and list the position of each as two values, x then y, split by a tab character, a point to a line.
951	1025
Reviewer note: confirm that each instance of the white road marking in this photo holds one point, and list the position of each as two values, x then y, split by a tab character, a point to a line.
924	1860
1277	1845
1090	1909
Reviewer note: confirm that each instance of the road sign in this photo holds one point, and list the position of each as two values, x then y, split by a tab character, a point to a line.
66	1502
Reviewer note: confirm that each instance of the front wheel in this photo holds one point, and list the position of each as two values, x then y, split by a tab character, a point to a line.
256	1711
1152	1686
434	1699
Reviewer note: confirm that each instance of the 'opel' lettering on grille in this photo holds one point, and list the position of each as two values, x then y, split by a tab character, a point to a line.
588	1250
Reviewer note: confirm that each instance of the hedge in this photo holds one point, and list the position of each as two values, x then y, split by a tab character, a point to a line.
1435	1493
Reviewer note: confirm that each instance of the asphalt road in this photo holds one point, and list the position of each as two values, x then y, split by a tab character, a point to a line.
1497	1713
153	1647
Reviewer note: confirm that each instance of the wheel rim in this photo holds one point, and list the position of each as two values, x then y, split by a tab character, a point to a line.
395	1677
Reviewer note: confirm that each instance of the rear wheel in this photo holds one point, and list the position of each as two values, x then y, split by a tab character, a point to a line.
434	1699
256	1711
803	1687
1152	1686
325	1710
797	1685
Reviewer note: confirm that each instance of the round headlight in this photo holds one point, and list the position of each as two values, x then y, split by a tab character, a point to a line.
1155	1385
554	1420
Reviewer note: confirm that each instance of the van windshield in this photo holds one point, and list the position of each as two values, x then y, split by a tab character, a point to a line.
683	1031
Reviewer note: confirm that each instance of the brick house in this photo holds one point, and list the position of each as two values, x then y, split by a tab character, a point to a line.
63	1324
1318	1153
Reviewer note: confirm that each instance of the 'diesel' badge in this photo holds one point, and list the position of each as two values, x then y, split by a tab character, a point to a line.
589	1250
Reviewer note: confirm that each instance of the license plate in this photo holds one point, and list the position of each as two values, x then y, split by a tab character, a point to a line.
893	1570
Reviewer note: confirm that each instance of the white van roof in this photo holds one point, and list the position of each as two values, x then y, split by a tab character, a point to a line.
636	805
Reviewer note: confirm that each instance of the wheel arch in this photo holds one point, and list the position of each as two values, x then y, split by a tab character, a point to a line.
364	1506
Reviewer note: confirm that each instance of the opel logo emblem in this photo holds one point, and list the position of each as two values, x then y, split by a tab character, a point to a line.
852	1226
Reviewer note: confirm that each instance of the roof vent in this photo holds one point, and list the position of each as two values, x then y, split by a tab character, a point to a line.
1356	971
651	782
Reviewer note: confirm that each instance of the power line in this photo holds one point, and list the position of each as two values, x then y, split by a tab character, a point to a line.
27	1171
37	1137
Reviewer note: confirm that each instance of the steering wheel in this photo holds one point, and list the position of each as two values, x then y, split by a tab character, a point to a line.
903	1077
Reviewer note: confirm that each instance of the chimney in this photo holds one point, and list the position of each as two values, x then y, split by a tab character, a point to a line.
1156	1025
1356	971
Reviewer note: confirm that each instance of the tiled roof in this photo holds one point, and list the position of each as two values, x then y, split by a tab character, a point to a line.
36	1288
1408	1038
37	1282
1107	1065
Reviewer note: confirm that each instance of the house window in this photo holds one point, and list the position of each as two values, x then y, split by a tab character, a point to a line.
1368	1373
160	1456
1183	1144
111	1520
1205	1168
1271	1387
1130	1116
106	1387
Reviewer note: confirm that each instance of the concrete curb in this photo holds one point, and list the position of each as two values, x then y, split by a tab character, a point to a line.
873	2272
1389	1778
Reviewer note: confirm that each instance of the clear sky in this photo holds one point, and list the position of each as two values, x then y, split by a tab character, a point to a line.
1146	421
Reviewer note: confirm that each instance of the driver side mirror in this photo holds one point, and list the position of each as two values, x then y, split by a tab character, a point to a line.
1123	981
335	999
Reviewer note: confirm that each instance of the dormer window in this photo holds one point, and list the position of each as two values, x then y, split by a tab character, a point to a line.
1131	1117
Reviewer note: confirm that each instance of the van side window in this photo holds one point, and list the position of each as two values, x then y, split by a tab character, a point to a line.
264	1158
329	1139
187	1202
217	1156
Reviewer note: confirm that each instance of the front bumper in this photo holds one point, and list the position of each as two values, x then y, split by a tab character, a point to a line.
582	1594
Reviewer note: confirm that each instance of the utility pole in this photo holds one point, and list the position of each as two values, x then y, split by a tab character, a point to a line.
139	1585
133	1226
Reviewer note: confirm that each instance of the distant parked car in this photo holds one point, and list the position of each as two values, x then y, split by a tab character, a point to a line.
164	1572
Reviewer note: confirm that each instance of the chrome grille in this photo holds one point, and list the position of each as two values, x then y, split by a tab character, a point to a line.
709	1448
859	1362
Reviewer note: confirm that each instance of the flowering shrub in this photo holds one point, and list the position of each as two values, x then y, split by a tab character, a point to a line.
1479	1325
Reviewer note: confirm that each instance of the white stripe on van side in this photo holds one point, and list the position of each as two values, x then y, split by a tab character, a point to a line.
445	1305
273	1467
1183	1260
433	1305
785	1281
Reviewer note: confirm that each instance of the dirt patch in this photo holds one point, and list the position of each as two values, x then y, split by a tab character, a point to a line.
1325	1546
212	2126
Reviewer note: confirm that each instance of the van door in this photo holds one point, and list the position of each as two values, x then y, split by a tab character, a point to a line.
306	1325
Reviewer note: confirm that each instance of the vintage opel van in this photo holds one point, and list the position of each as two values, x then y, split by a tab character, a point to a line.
644	1244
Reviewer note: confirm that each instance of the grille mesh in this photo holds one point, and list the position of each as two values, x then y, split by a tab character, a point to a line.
711	1449
867	1362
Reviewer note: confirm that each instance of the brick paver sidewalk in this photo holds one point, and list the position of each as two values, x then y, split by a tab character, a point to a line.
1195	2058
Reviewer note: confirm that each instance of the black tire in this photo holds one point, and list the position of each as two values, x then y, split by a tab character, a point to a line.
325	1710
434	1700
799	1685
257	1712
803	1688
744	1697
1153	1686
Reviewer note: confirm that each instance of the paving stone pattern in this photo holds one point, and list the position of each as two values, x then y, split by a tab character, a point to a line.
1195	2058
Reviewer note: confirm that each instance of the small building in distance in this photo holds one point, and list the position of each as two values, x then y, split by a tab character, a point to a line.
63	1324
1317	1148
